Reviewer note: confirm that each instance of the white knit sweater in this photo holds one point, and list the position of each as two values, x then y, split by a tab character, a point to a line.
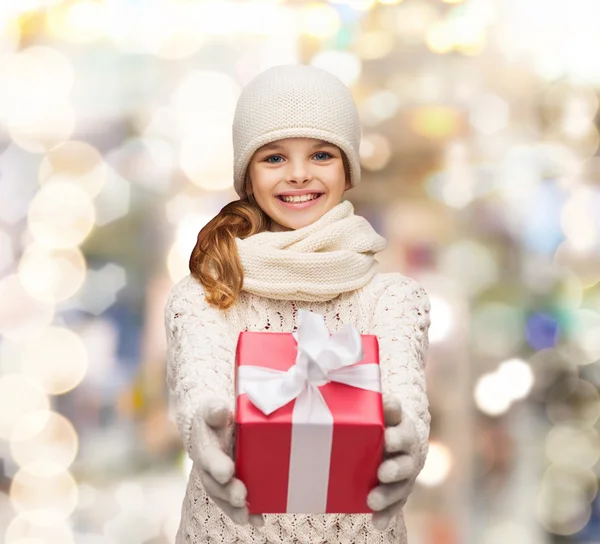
200	361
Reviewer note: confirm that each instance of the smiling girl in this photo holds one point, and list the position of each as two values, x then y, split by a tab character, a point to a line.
291	242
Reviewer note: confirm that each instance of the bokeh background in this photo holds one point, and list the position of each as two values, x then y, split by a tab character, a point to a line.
480	165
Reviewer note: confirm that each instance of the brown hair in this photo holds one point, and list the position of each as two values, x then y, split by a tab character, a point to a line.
215	261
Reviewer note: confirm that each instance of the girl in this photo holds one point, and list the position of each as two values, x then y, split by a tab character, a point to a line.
291	242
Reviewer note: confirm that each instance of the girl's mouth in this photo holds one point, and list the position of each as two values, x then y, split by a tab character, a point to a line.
299	202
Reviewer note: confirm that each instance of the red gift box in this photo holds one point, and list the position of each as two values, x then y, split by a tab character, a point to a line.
299	464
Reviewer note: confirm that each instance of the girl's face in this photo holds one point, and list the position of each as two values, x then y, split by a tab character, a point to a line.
296	180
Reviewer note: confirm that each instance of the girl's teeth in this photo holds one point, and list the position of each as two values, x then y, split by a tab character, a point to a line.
303	198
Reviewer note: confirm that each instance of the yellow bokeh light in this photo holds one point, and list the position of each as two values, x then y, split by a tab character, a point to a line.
177	263
439	38
10	34
319	20
81	21
77	162
19	396
52	275
57	359
23	531
43	493
55	441
61	215
21	316
375	44
435	121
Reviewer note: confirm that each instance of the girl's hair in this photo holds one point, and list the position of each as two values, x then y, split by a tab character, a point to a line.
215	261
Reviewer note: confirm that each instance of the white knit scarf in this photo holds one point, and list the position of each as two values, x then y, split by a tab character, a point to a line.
333	255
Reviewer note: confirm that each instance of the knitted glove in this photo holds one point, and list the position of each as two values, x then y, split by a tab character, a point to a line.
397	471
212	451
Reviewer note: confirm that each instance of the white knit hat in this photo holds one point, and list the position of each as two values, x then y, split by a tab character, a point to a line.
294	100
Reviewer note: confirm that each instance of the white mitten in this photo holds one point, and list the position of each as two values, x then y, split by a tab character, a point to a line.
397	471
211	450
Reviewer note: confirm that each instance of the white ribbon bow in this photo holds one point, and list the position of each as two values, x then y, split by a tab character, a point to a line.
321	358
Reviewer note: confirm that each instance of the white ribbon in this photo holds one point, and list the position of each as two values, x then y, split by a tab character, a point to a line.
321	358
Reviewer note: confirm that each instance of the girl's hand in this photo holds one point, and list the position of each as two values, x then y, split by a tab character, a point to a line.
212	446
397	471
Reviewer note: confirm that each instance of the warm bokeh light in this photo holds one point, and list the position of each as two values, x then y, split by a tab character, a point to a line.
492	395
45	436
61	215
375	151
23	531
344	65
577	447
21	315
77	162
437	466
79	21
51	275
57	359
43	492
19	397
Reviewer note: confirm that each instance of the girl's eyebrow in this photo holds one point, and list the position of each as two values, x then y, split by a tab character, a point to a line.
275	145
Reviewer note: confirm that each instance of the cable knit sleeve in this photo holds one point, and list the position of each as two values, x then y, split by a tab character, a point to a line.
200	353
401	323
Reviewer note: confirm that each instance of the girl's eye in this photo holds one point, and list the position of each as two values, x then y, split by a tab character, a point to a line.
327	155
273	157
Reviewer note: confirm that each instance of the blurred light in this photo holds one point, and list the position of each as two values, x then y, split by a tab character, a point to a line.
456	184
442	319
437	465
497	329
518	378
380	106
389	2
319	20
374	44
180	205
585	331
148	162
178	263
575	401
375	151
506	531
171	32
586	265
188	229
10	35
489	114
542	330
130	496
471	263
100	289
61	215
439	38
21	316
39	131
435	122
79	21
43	493
346	66
51	275
35	80
7	254
562	507
204	157
580	219
114	200
19	396
57	359
491	395
577	447
75	162
23	531
57	442
88	496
